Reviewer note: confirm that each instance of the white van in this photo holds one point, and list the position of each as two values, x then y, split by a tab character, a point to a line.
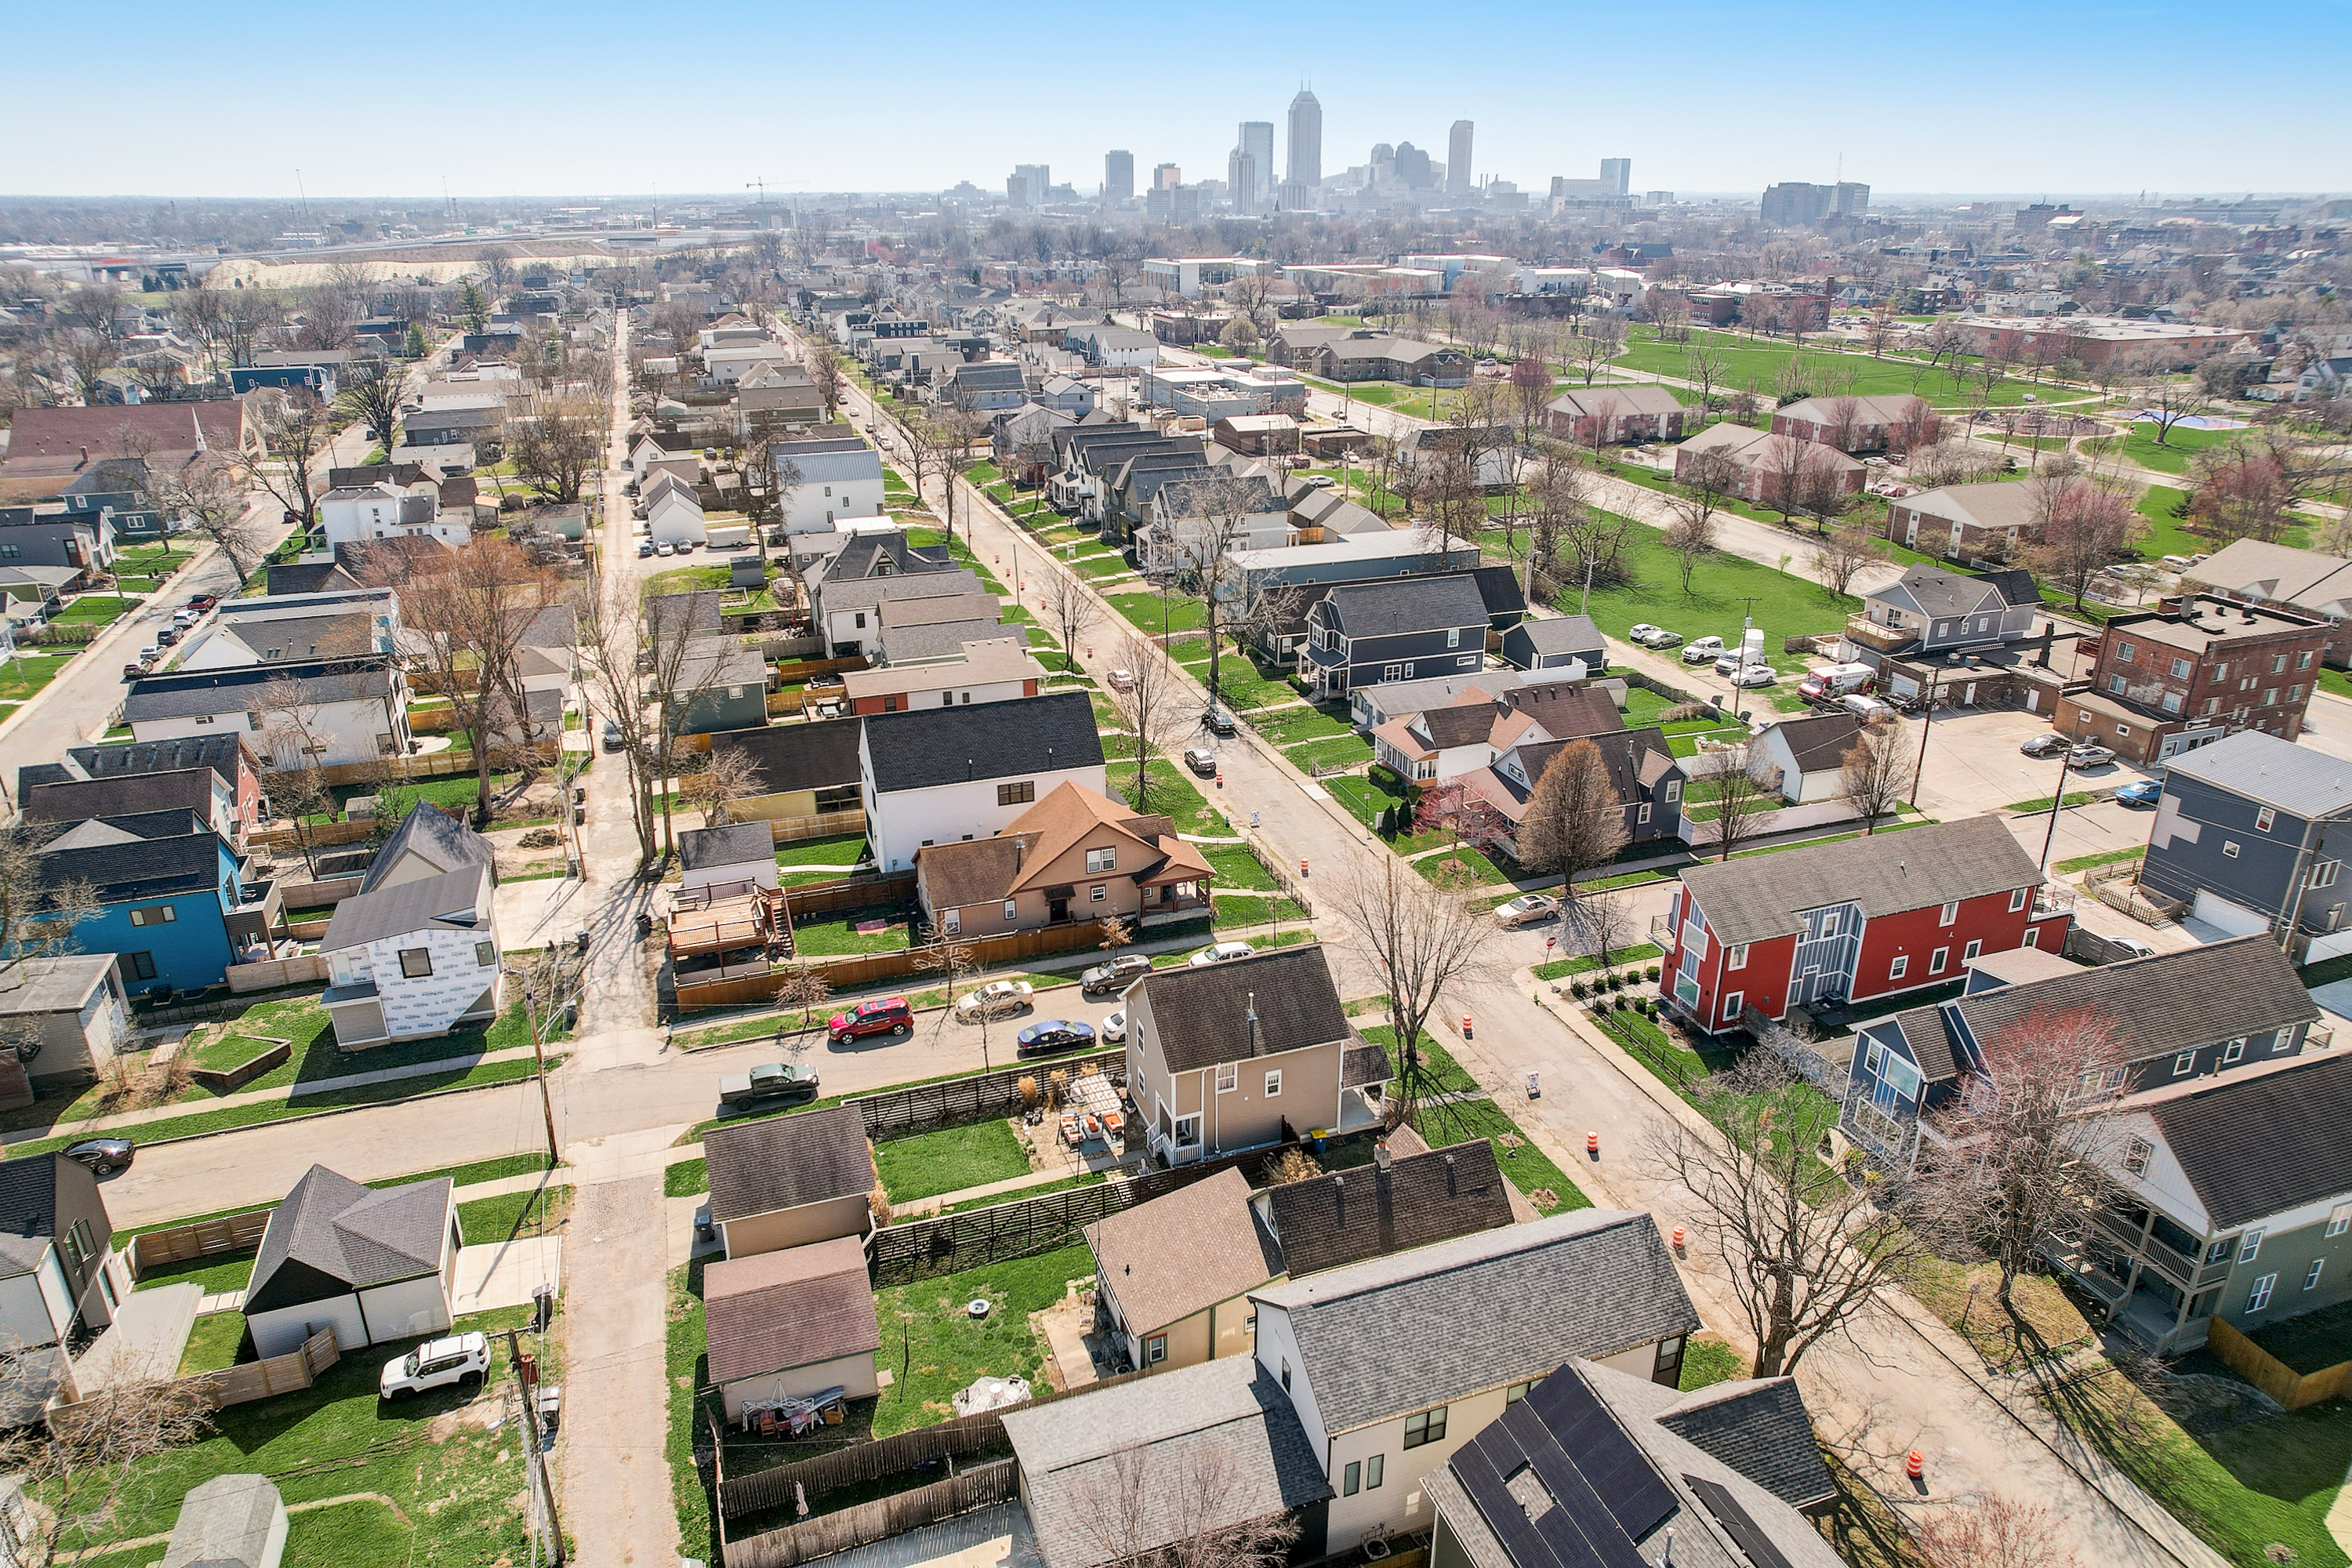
1836	681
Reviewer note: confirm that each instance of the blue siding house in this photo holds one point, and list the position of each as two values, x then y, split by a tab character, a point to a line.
166	895
2252	833
1360	634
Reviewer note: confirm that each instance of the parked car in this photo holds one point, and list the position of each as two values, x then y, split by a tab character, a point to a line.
1201	760
2133	945
460	1359
1054	1036
997	999
2088	755
169	636
103	1155
1114	1028
645	548
1528	909
663	548
1120	680
1755	675
2140	795
1221	952
133	671
185	619
613	741
2047	744
204	602
1703	651
1114	975
769	1081
1867	708
881	1015
1218	720
1647	635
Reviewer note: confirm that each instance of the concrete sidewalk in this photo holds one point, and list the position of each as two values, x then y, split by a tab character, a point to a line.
150	1331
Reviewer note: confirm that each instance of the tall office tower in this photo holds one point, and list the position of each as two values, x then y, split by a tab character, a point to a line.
1617	171
1794	203
1853	199
1306	169
1016	191
1457	160
1118	176
1040	181
1242	179
1167	178
1257	140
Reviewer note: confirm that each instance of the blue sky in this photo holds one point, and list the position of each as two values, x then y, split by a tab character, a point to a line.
594	98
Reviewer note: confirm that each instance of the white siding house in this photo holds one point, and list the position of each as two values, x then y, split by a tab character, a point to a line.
937	775
414	960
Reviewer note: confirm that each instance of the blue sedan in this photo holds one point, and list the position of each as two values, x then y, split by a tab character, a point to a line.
2141	795
1054	1036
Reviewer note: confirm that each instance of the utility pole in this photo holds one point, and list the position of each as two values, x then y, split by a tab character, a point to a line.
538	1043
534	1457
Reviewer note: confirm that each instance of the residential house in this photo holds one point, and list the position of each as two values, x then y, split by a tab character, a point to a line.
659	446
1197	515
414	960
351	514
226	756
806	776
1067	395
2172	680
291	577
1282	587
1083	454
204	792
1113	348
2251	834
795	1323
1367	355
1245	1053
1802	759
229	1522
60	1282
771	396
1931	612
289	636
1646	777
841	478
167	895
1076	855
727	686
428	843
49	447
939	775
1594	1466
725	364
1856	920
350	711
790	1181
2220	1008
1361	633
1558	642
1515	1302
1440	744
988	387
925	631
1373	705
2231	1198
2263	573
477	421
68	1009
1893	421
1021	441
1770	470
1977	525
992	669
673	510
77	542
374	1264
722	862
1422	450
849	606
1601	415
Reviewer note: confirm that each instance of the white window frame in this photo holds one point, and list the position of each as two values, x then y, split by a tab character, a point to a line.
1098	893
1949	914
1101	860
1643	816
2339	1219
1969	953
951	921
1872	1056
1155	1350
2183	1062
2250	1246
1274	1083
2136	1154
1731	1005
1673	791
2264	818
1736	957
1937	959
1012	909
2259	1298
2234	1051
2017	897
2323	875
1229	1077
2230	848
1898	966
1188	1130
2311	1279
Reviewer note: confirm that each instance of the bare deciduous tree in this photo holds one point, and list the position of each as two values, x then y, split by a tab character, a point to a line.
1841	556
1574	821
1691	535
1804	1248
79	1465
726	776
210	499
1422	938
2086	527
1993	1532
1156	707
559	441
293	434
372	397
476	605
1202	521
1157	1506
1877	772
1070	610
1741	797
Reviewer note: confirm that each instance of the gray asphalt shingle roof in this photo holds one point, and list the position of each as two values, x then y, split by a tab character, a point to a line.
1748	900
2262	1144
446	902
435	835
787	1162
239	690
1481	1310
1759	1428
1346	1216
331	1236
932	746
736	845
2263	768
1202	1013
1406	605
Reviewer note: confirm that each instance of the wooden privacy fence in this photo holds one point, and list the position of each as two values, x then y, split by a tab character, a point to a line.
303	968
202	1239
851	972
779	1487
876	1521
240	1384
851	893
2273	1376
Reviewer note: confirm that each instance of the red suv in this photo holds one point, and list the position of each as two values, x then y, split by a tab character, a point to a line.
883	1016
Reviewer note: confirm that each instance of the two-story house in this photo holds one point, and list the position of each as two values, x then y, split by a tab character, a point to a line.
1768	470
60	1279
939	775
1075	855
838	477
2202	1010
1207	512
353	514
197	790
2184	676
227	756
986	386
167	895
78	541
1856	920
414	960
1475	728
2252	833
850	608
992	669
1643	772
1400	630
1931	612
2231	1198
2310	581
350	710
673	508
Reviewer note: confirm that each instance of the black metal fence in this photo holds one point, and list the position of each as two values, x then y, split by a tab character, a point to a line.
954	1100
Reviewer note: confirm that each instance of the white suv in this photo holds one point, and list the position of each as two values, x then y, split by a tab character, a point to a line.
461	1359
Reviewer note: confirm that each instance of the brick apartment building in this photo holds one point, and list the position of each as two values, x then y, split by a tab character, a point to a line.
2193	671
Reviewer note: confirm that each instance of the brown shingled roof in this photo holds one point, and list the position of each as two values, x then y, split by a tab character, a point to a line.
1184	1253
793	1307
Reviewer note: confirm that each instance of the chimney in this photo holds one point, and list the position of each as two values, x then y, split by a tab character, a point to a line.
1381	1155
1252	1023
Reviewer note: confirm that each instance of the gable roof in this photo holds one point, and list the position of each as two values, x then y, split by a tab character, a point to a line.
1758	1426
2260	1143
2004	503
927	747
1406	605
333	1235
1481	1310
433	835
787	1162
2262	768
1563	634
307	577
1346	1216
1748	900
1184	1253
2307	579
1202	1012
794	757
28	1208
139	867
1635	398
1079	1457
1819	741
238	691
78	800
794	1307
739	844
1941	593
224	754
454	900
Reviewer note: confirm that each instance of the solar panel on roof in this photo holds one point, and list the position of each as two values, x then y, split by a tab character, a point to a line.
1759	1547
1637	1497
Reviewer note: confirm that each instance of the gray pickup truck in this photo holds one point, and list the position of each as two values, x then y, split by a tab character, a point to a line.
769	1081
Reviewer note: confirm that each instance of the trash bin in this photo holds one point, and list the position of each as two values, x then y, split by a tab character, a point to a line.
1534	1085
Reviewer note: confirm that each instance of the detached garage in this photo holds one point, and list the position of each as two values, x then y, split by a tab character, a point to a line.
375	1266
792	1325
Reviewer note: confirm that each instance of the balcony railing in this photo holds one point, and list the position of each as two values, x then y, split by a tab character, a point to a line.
1661	931
1870	633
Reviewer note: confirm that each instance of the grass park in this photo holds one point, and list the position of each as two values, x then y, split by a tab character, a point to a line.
1760	365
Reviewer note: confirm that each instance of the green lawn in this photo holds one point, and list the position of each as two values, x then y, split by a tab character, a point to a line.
1338	751
2043	802
214	1274
1367	797
2110	857
509	1215
1758	365
686	1179
95	610
26	673
1307	724
842	849
1709	1362
457	1484
1169	793
1448	865
1442	1074
215	1342
1237	869
1085	1179
2172	455
1648	1043
687	579
832	936
1529	1168
686	1368
1640	953
1143	607
948	1160
1785	604
934	1349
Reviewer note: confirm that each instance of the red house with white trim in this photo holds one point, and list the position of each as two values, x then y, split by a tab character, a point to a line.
1861	920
